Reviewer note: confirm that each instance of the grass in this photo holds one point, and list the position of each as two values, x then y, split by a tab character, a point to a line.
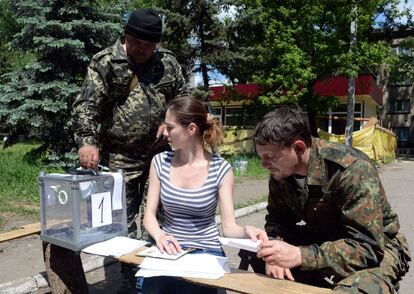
19	189
254	167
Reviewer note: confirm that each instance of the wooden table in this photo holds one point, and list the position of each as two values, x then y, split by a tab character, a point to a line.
242	281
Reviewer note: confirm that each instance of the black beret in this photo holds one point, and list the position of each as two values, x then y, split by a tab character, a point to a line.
145	24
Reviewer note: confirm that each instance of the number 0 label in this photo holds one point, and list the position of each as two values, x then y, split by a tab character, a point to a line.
101	209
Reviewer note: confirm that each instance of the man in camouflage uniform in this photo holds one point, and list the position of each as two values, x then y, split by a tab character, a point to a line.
328	215
122	104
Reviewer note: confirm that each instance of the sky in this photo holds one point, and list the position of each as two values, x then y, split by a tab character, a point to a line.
217	79
409	4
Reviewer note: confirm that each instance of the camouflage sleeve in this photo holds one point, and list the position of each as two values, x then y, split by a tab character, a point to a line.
87	108
361	217
280	222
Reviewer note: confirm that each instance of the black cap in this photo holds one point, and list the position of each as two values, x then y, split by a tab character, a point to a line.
145	24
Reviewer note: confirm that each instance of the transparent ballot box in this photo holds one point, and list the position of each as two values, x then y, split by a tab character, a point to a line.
77	210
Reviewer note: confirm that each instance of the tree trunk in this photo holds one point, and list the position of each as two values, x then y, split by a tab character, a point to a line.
349	129
204	73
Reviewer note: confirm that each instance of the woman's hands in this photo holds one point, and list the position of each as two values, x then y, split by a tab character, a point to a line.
168	244
255	233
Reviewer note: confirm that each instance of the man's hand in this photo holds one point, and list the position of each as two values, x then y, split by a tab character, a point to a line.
280	253
278	272
89	157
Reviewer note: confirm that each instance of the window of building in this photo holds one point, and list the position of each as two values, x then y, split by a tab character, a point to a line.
399	106
334	121
403	133
239	116
399	78
402	51
217	113
232	115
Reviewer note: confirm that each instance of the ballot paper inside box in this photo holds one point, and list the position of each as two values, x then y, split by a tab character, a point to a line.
79	210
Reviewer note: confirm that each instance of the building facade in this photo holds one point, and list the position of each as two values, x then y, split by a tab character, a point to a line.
397	113
227	102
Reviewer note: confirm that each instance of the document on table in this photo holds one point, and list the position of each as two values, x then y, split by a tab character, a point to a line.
116	246
156	253
190	265
246	244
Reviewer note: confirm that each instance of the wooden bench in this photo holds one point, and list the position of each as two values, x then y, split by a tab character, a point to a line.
242	281
237	281
25	230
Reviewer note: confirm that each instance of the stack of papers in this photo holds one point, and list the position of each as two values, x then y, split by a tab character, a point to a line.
116	247
156	253
246	244
205	266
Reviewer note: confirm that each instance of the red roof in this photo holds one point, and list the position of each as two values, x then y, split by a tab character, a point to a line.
338	86
246	91
333	86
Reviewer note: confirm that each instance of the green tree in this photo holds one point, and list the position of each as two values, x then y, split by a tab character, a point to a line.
177	32
298	42
10	58
63	36
402	71
208	35
194	31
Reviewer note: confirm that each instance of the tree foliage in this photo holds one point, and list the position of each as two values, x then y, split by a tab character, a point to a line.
284	46
195	30
402	71
298	42
10	58
63	36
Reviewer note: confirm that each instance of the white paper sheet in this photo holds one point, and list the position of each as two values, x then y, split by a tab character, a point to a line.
154	252
87	188
118	188
190	265
246	244
101	209
147	273
116	246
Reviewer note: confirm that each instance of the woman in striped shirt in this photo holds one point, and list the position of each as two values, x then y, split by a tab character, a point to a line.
190	182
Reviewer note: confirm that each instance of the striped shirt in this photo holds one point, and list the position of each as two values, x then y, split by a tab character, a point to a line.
190	213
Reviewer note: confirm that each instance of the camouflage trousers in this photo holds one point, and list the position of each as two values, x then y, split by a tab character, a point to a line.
135	174
382	279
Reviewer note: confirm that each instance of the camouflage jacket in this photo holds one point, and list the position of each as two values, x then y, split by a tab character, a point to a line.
347	218
108	114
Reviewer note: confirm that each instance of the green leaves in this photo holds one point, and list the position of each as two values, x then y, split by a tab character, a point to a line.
298	42
64	35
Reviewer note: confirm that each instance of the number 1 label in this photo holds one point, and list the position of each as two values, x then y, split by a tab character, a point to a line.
101	209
